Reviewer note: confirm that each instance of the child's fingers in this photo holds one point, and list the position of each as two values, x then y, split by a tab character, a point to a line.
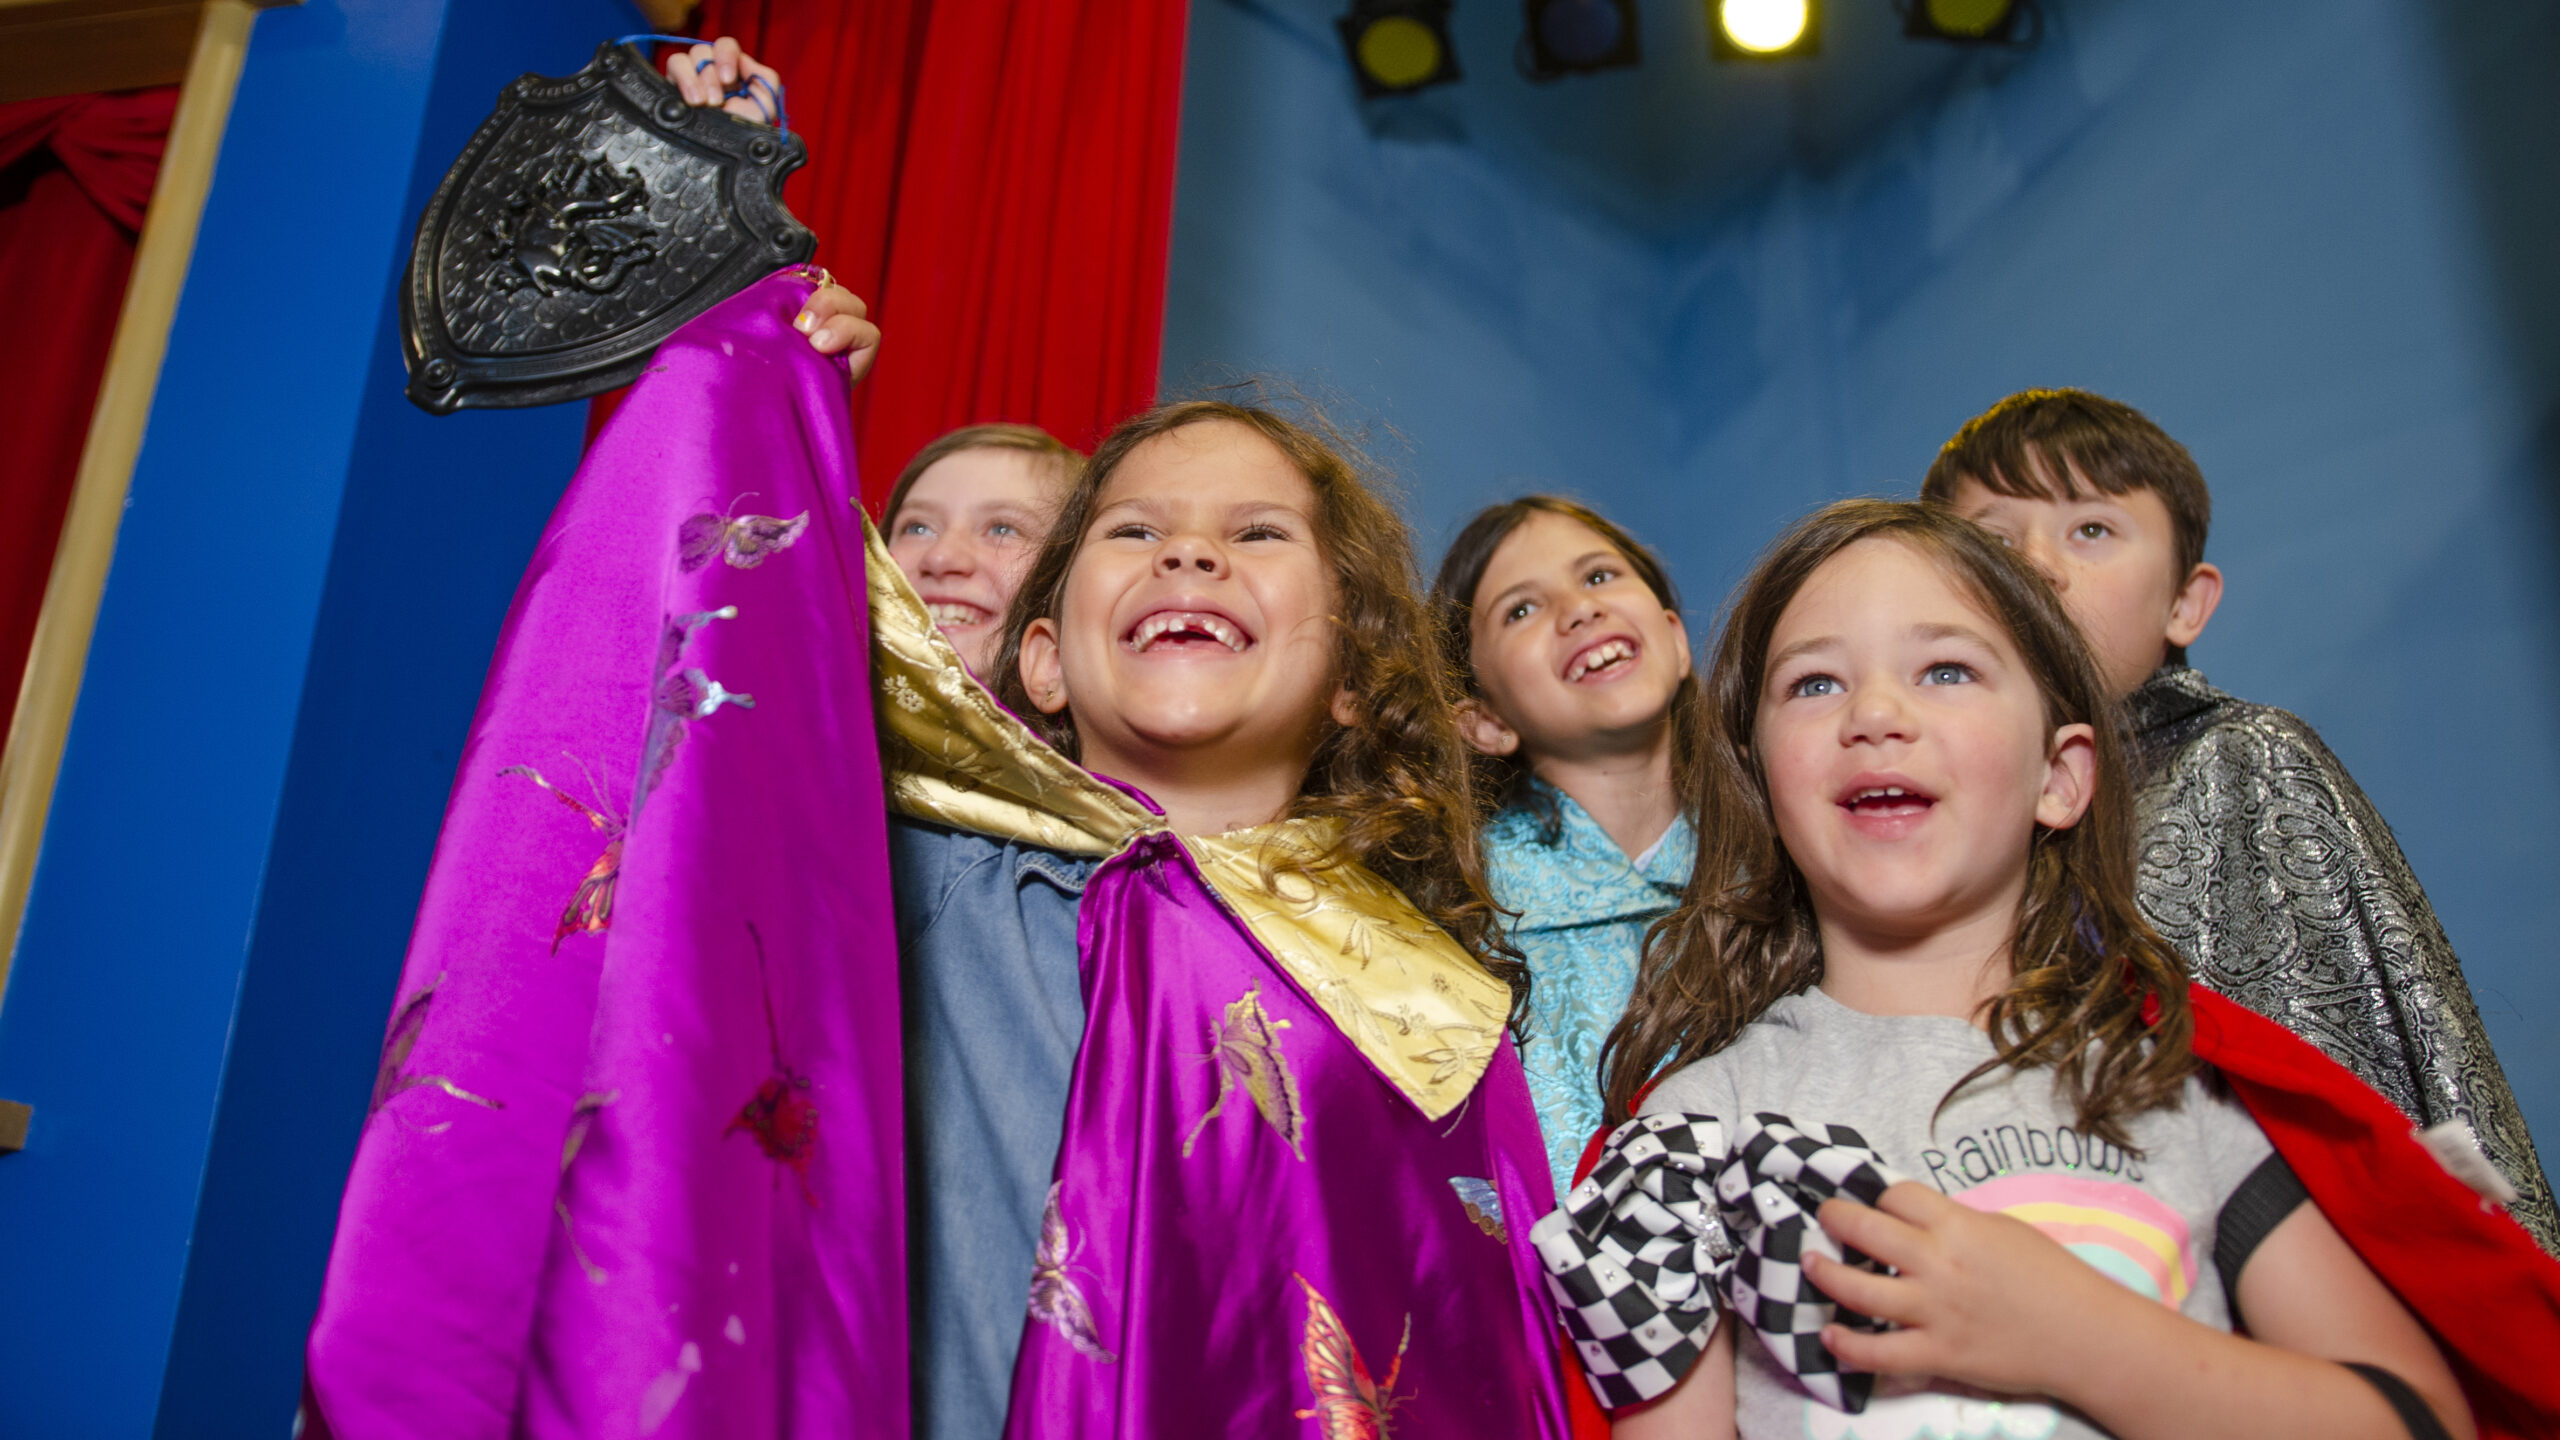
857	362
832	299
1893	1352
683	69
851	336
1917	1203
726	53
1888	1238
1886	1297
758	94
843	334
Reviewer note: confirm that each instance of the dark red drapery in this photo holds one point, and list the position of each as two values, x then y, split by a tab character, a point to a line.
75	177
997	180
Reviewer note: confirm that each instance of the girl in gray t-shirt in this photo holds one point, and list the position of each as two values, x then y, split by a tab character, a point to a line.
1913	916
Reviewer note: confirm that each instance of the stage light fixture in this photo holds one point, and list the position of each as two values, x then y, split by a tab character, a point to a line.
1569	37
1972	22
1398	46
1764	29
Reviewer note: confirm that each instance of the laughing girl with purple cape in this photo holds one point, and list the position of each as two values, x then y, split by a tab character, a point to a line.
1186	1106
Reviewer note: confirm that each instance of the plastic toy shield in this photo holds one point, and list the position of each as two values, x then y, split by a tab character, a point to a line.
586	220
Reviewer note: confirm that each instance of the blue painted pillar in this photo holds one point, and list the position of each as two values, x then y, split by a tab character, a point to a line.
306	590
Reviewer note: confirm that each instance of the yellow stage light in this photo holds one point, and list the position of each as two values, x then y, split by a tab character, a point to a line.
1398	46
1967	17
1399	51
2014	23
1763	27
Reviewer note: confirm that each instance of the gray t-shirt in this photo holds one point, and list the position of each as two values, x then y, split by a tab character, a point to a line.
2005	1145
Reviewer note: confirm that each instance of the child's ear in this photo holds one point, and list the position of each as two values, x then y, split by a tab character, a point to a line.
1484	731
1042	675
1688	662
2195	604
1346	711
2070	777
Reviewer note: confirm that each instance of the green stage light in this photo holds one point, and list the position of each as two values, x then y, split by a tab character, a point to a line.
1971	22
1398	46
1764	29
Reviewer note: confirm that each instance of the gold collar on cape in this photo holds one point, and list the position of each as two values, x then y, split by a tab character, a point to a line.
1417	1006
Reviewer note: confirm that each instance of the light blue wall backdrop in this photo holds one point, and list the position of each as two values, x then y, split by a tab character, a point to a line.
2310	237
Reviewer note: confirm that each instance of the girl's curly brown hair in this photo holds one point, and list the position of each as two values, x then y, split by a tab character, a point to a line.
1396	779
2085	965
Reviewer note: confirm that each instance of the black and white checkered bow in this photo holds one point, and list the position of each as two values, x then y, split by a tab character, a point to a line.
1672	1219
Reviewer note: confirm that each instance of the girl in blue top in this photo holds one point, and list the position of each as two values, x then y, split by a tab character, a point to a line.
1567	635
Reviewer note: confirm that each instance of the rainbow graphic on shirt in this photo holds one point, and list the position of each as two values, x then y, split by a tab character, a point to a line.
2123	1231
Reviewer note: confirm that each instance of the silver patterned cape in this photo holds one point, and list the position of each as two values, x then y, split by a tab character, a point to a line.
2269	869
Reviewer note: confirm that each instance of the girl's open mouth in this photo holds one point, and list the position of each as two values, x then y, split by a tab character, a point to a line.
1605	660
954	614
1182	630
1886	801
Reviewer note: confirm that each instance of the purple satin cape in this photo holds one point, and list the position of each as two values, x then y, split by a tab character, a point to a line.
1243	1284
634	1165
634	1160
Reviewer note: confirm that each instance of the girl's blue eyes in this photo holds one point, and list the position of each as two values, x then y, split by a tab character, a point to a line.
1001	530
1148	532
1945	672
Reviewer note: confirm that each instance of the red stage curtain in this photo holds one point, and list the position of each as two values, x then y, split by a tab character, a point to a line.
997	180
75	176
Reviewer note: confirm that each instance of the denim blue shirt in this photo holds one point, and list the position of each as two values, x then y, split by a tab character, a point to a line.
1583	909
994	1014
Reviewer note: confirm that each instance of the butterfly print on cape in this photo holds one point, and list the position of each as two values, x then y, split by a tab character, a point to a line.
1350	1405
1483	1204
680	698
1245	1046
745	541
390	1076
781	1115
582	1118
1056	1300
590	908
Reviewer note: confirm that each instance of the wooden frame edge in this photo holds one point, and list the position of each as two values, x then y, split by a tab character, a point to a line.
50	688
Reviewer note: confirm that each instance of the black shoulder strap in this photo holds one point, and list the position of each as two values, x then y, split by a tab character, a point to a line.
2414	1413
2263	1201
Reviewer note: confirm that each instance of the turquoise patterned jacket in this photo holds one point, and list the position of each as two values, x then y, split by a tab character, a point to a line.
1583	909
